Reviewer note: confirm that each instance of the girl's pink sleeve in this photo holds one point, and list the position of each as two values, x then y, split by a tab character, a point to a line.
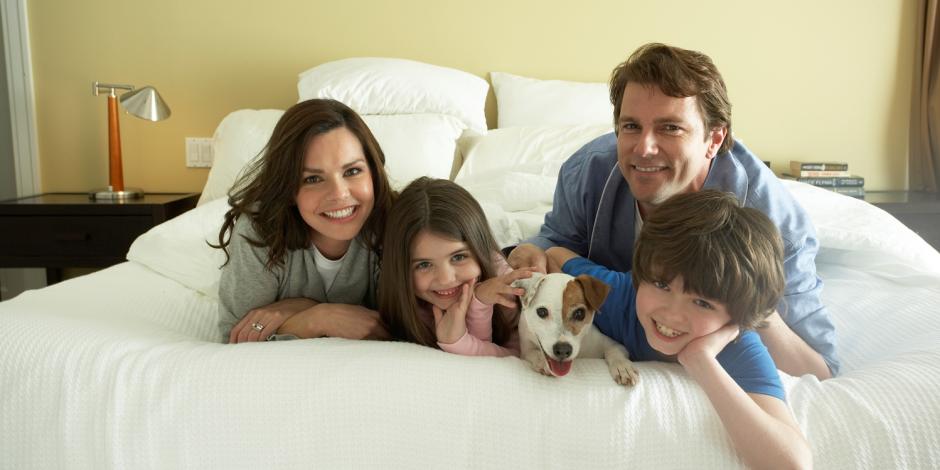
468	345
480	320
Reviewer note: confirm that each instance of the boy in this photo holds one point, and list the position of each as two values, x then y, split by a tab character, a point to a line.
705	269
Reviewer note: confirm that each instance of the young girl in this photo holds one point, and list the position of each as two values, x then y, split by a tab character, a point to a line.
302	233
442	274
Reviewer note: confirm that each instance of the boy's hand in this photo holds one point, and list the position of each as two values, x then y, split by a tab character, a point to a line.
451	324
497	290
557	257
708	346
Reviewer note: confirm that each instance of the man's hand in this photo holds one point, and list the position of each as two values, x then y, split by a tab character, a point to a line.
451	324
498	290
790	353
262	322
528	255
708	346
557	257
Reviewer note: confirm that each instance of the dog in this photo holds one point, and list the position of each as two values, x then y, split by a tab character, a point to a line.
556	326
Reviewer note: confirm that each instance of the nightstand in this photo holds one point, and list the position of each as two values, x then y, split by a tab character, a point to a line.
68	230
920	211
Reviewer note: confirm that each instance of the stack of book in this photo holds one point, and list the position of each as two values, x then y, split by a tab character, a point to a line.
833	176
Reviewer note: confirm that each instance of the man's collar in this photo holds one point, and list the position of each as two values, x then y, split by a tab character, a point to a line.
727	174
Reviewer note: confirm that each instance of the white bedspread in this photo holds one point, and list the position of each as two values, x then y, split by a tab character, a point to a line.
123	369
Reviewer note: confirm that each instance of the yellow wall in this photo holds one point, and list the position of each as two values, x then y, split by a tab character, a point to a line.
808	79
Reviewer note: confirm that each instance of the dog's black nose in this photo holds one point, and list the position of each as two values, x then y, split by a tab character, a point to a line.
562	351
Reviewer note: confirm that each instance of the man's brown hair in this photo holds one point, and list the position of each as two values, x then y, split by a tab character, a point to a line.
724	252
679	73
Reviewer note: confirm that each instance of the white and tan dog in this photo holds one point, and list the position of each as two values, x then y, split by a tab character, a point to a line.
556	325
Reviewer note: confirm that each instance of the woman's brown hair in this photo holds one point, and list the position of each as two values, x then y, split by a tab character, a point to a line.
267	189
445	209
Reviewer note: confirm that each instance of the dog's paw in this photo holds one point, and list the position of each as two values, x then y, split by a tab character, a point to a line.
623	372
538	364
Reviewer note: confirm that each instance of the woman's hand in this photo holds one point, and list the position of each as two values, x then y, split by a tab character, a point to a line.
499	290
260	323
337	321
451	325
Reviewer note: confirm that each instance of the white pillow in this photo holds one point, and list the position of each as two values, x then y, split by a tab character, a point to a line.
398	86
178	250
538	150
414	145
852	232
522	101
239	138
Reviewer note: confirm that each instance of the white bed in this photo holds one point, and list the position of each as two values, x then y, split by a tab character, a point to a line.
124	368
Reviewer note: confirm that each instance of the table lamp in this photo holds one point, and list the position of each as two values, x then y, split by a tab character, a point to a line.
144	103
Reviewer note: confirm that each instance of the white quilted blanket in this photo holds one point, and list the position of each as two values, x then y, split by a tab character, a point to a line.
123	369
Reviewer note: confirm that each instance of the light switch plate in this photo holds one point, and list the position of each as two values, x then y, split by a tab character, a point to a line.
199	152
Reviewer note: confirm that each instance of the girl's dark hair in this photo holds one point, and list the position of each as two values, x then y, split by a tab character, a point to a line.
446	209
266	191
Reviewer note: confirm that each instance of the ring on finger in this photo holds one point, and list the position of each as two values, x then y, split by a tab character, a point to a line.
257	326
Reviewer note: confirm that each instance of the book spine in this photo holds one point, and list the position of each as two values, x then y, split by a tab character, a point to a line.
812	166
822	173
853	191
850	181
830	181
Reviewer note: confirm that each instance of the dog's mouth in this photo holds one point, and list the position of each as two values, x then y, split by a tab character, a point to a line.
558	368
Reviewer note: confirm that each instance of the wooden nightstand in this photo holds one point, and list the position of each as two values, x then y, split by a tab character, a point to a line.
920	211
67	230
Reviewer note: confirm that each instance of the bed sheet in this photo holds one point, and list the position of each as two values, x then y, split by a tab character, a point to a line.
123	369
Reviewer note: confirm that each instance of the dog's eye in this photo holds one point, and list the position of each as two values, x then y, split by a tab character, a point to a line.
578	315
542	312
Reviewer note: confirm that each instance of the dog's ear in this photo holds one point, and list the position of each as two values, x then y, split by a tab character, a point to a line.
531	286
595	291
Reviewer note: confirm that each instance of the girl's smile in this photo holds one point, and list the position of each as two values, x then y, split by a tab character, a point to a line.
440	267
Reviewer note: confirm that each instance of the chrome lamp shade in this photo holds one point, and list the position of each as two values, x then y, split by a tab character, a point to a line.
144	103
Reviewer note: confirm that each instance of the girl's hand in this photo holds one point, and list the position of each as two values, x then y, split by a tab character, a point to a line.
708	346
498	290
262	322
451	324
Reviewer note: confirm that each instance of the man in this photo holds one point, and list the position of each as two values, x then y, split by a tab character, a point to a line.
672	121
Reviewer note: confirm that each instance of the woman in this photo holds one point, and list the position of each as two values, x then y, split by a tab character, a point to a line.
303	231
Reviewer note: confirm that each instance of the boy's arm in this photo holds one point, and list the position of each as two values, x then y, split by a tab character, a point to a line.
621	284
760	426
557	257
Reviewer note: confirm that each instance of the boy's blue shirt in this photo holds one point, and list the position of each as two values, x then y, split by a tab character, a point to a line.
746	359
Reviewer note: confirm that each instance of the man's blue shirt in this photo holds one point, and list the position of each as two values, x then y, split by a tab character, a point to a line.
593	215
746	359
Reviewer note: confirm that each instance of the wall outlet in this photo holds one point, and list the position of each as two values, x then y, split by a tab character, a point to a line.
199	152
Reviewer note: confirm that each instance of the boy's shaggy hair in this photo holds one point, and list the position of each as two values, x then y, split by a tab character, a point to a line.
724	252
